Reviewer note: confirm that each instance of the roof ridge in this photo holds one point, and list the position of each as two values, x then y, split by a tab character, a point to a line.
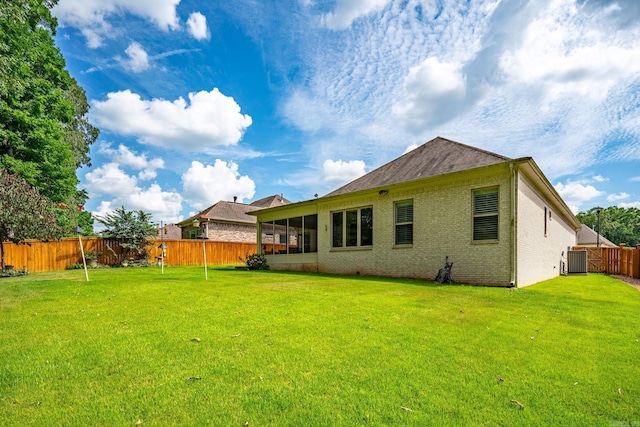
491	153
422	151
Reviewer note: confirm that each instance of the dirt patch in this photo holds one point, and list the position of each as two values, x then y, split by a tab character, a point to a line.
630	280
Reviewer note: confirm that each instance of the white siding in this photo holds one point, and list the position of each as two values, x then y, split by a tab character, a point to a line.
539	257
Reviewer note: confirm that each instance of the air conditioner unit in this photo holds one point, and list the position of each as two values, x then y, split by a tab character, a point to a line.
577	262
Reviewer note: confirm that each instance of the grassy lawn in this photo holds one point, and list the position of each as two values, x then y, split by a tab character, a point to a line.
285	349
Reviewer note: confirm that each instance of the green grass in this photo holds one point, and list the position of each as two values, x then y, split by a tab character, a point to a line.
285	349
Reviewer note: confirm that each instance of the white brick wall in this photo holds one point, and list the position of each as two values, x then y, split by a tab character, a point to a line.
539	256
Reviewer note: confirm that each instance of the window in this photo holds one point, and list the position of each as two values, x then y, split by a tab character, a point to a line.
295	235
291	235
404	222
366	226
352	228
281	232
337	229
485	214
310	234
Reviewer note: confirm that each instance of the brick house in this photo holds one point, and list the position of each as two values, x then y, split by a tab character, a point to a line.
169	232
499	221
228	221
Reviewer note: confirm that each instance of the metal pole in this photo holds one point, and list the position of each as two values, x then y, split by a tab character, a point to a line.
204	252
162	248
78	231
203	235
598	209
84	260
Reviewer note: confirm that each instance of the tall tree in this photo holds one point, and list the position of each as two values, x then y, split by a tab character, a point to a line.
134	228
24	212
44	132
617	224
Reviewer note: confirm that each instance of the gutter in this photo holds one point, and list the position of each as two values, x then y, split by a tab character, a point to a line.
514	228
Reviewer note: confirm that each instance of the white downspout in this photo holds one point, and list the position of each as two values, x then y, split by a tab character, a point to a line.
514	227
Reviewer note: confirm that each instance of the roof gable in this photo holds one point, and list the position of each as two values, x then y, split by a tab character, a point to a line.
235	212
229	211
270	201
435	157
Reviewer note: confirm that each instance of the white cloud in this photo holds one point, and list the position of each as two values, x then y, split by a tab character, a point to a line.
123	190
433	93
91	16
109	180
616	197
162	205
209	119
138	59
125	157
600	178
347	11
410	148
563	53
629	205
306	111
339	172
206	185
197	26
635	179
574	193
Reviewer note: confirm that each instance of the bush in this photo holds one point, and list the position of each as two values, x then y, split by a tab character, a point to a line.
80	266
256	262
9	271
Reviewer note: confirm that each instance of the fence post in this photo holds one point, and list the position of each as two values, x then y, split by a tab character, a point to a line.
636	262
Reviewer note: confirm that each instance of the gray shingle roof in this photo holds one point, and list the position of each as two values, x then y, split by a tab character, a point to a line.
271	201
229	211
435	157
236	212
588	237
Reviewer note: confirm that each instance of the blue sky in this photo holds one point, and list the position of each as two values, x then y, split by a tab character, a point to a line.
202	101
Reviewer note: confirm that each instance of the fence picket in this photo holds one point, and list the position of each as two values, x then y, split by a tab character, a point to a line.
622	260
59	255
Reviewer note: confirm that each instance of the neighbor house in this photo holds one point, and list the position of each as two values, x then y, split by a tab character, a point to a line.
169	231
499	221
228	221
587	237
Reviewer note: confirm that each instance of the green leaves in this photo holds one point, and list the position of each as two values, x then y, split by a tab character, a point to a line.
44	132
24	212
132	227
619	225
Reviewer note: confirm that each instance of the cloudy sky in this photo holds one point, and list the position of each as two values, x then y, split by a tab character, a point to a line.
202	101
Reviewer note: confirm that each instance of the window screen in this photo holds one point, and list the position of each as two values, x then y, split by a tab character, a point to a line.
485	214
404	222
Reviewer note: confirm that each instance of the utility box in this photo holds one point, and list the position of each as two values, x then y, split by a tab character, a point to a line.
577	262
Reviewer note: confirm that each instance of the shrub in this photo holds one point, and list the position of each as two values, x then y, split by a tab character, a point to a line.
256	262
9	271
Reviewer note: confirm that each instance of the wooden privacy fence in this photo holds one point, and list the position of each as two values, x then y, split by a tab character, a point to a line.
622	260
59	255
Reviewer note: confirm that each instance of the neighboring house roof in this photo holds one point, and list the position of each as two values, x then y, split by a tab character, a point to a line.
588	237
271	201
235	212
435	157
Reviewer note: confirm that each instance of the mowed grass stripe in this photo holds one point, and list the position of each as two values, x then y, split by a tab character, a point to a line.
305	349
